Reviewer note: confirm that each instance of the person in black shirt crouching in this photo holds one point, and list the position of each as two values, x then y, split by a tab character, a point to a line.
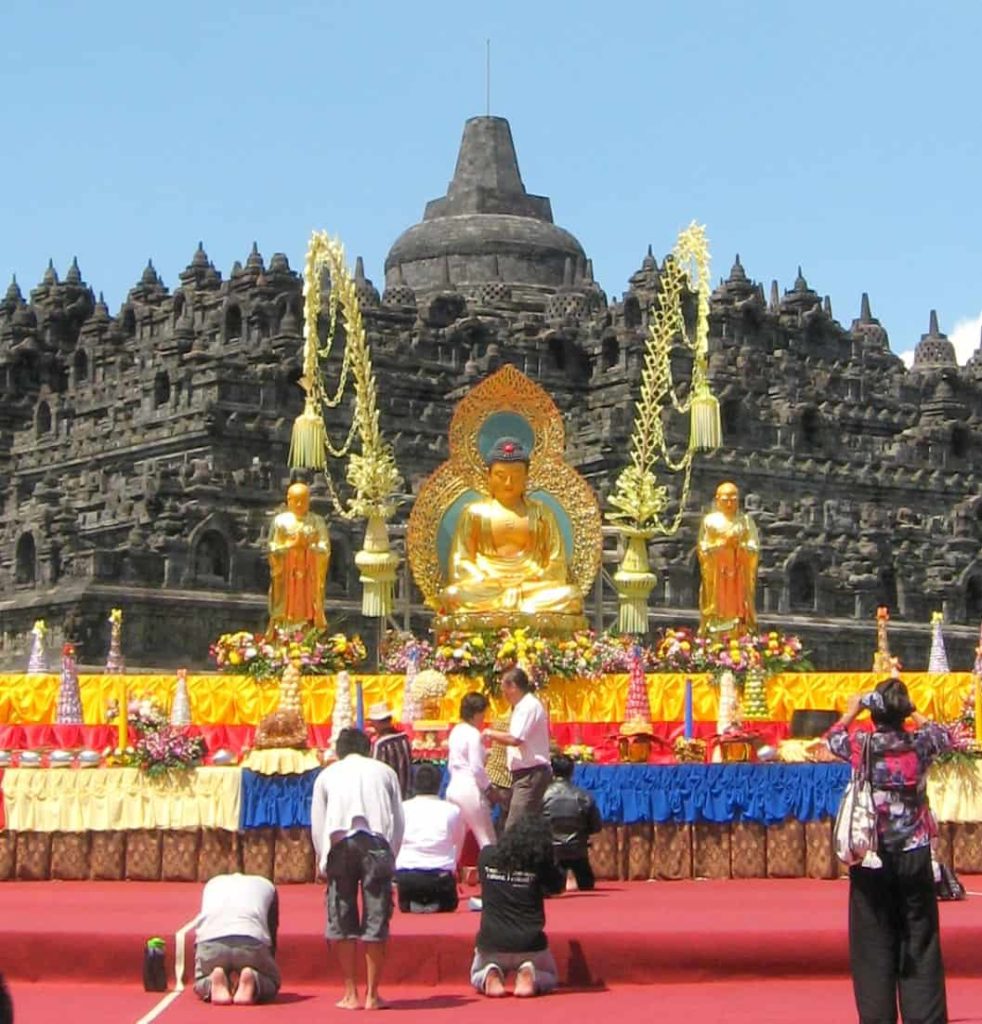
574	817
516	875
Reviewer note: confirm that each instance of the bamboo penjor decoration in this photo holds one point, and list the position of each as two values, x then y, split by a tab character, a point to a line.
638	499
371	471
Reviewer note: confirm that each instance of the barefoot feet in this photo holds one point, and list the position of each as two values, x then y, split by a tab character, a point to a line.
494	984
349	1001
525	981
245	992
220	994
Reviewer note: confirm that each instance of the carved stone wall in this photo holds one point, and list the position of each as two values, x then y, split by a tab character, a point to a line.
143	454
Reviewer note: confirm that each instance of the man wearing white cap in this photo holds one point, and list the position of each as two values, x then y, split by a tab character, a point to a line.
391	746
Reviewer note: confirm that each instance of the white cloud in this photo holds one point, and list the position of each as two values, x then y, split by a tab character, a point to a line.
965	338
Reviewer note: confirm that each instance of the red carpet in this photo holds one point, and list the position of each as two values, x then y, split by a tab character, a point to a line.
803	1001
624	933
60	1002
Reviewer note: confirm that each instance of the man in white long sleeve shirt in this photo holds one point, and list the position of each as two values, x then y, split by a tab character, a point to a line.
426	868
357	823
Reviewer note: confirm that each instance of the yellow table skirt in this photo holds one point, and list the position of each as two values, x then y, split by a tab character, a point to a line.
954	789
104	799
238	700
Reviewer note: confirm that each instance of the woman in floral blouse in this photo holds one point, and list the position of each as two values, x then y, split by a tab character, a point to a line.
894	946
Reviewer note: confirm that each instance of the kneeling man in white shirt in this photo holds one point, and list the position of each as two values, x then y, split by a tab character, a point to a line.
426	867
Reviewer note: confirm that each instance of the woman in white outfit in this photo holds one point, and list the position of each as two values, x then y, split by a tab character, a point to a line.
465	762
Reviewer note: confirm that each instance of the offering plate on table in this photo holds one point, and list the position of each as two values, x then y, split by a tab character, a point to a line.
89	758
60	759
29	759
4	758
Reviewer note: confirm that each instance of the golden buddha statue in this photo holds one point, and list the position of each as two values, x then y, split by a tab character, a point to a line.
299	554
728	550
505	533
507	553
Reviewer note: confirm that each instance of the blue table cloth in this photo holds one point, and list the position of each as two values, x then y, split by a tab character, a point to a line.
276	801
719	793
625	794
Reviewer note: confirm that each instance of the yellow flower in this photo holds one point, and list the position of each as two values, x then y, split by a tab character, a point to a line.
235	658
478	642
540	645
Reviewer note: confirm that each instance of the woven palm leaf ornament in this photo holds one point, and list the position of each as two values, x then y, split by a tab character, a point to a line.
639	501
371	470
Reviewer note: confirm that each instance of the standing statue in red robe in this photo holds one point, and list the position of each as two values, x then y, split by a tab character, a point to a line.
728	550
299	554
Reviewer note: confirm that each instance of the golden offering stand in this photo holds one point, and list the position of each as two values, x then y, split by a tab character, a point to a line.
634	742
508	407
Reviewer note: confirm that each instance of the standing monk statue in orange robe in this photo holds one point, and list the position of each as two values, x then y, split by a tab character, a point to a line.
728	551
299	554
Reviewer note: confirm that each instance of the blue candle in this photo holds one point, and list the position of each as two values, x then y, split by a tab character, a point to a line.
688	709
359	706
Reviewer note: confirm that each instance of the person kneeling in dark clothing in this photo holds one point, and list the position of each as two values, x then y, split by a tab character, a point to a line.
574	817
426	867
517	873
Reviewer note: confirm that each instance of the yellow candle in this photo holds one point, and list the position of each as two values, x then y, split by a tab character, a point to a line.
122	723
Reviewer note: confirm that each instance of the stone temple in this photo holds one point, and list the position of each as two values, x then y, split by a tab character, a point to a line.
142	454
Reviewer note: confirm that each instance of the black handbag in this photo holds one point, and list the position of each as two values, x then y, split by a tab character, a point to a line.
947	885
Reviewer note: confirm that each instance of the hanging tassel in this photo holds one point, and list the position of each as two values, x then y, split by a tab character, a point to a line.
308	443
706	430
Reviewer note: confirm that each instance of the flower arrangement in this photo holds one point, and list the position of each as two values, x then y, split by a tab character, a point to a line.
615	653
683	650
160	747
400	648
963	727
143	714
168	749
263	656
491	654
580	752
965	751
583	655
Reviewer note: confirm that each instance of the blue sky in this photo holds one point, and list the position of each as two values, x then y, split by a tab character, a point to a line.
840	136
